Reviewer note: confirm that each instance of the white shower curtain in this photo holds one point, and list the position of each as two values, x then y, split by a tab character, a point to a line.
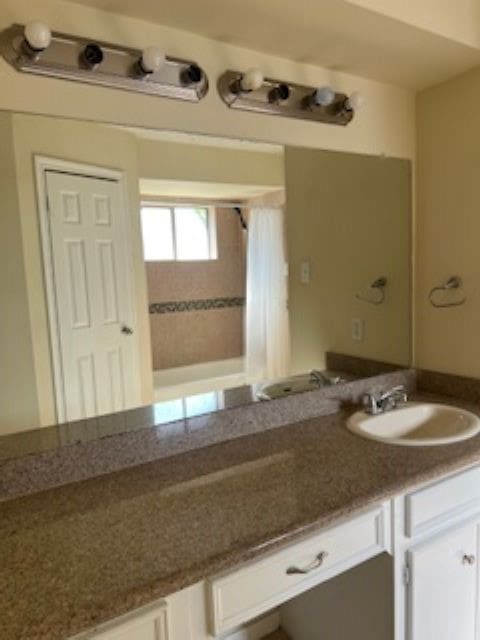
267	327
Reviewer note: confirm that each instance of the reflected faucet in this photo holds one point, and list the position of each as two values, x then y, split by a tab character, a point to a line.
322	379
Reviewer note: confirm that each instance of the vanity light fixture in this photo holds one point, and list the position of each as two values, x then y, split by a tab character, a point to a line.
355	101
251	91
35	49
323	97
191	75
151	60
251	80
37	37
92	56
279	93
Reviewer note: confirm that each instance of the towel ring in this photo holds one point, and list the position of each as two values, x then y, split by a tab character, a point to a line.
377	285
455	282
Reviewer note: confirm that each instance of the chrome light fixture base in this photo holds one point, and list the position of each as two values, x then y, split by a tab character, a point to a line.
298	104
118	68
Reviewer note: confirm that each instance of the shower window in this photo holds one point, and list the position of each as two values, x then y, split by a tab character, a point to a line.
178	232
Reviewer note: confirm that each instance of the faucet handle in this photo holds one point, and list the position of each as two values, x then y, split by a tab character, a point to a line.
370	403
393	391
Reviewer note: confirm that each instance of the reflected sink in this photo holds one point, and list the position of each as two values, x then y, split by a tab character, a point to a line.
297	384
416	424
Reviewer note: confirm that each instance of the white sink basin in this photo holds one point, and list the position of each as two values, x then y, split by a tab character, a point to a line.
417	424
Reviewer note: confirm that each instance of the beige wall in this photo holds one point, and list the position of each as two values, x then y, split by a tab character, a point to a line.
349	215
201	163
385	125
185	338
18	395
90	144
448	224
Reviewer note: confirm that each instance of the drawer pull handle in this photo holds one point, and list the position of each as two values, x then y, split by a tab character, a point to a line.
468	559
315	565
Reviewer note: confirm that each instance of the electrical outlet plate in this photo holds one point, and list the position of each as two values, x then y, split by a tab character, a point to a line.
305	272
358	330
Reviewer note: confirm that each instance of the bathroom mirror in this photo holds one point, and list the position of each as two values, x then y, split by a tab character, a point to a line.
145	267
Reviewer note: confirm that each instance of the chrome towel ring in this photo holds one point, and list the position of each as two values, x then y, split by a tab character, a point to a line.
378	288
455	282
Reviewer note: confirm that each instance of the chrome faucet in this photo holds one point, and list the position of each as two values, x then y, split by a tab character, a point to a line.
375	404
319	376
322	379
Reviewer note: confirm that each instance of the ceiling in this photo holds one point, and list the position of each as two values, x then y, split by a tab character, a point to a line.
182	137
203	190
337	34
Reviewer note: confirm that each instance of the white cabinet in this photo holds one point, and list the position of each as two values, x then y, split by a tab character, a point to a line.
432	506
443	586
245	593
148	623
432	532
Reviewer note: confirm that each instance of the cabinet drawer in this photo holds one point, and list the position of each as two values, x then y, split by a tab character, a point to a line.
448	498
260	585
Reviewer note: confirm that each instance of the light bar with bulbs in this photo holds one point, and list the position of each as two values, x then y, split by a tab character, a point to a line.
250	91
34	48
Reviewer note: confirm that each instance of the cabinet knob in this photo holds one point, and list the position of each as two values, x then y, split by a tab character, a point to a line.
468	559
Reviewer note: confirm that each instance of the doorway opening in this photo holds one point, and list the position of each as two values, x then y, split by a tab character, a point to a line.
196	244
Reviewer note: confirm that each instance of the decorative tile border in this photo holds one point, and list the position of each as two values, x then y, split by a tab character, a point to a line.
195	305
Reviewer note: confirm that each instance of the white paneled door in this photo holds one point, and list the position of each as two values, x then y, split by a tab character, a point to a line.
97	345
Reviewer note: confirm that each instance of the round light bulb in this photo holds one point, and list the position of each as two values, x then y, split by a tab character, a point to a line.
324	96
152	59
251	80
355	101
38	36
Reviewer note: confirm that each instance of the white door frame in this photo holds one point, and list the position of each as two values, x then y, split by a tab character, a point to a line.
42	165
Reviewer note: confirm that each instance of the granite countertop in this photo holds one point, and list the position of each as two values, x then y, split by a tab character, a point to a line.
77	555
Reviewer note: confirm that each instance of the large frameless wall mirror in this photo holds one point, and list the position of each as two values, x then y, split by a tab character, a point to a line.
147	267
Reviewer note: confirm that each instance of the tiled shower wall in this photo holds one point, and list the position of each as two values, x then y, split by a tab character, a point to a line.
206	321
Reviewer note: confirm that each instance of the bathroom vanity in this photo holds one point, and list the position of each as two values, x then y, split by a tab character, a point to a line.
196	298
432	534
214	543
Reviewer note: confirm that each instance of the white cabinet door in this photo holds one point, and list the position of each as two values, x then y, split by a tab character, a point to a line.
443	592
149	623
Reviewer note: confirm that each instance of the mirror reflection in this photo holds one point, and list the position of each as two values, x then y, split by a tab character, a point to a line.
196	273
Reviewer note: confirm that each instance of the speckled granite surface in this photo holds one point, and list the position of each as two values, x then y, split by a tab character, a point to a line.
142	442
277	635
80	554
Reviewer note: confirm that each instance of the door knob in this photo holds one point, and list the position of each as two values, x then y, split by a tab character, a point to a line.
468	559
127	331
